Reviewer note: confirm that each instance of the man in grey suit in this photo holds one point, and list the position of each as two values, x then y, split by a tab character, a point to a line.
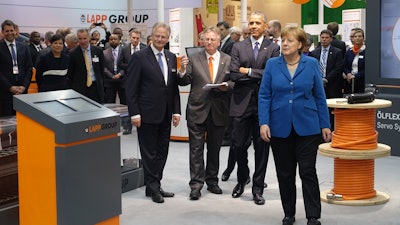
206	111
113	75
248	61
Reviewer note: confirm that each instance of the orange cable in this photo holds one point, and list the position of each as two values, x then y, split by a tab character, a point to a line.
354	130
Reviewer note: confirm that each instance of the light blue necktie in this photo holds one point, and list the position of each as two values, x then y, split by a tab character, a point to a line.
322	63
13	55
160	63
256	50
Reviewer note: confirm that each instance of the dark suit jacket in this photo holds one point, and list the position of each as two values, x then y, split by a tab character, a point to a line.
248	85
126	55
34	53
201	101
227	47
146	92
334	70
8	79
340	45
77	74
109	67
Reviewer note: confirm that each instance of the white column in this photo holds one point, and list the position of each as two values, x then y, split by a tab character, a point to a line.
160	10
320	13
130	13
220	10
243	12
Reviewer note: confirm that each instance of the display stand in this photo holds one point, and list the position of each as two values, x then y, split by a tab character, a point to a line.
68	160
357	156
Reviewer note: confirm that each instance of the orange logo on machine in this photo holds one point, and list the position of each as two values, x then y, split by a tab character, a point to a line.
93	128
99	127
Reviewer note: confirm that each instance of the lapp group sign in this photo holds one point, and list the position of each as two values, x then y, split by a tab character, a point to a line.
103	18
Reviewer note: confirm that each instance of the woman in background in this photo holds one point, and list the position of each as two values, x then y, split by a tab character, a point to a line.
354	64
52	67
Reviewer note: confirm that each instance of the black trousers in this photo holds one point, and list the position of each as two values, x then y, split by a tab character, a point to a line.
111	90
245	130
288	153
154	145
92	93
201	172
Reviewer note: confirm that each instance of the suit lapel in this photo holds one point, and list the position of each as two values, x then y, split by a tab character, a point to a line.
202	58
221	67
151	58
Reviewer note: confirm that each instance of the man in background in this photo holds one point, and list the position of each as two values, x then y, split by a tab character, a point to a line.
15	68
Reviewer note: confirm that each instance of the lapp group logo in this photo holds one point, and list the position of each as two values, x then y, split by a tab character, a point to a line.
100	127
101	18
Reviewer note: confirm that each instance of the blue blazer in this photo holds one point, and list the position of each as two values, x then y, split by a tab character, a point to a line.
299	102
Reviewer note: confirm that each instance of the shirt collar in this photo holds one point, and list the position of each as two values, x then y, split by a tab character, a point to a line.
155	51
8	43
253	40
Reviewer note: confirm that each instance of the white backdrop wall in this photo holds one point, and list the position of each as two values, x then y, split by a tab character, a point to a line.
45	15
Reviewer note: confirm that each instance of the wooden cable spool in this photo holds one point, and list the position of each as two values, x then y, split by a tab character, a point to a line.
354	147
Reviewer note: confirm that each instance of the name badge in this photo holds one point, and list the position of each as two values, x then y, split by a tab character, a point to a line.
95	59
361	57
15	70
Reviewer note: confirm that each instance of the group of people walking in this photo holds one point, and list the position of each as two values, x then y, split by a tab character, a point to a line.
267	90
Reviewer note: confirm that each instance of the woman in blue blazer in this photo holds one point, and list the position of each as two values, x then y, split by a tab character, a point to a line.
293	114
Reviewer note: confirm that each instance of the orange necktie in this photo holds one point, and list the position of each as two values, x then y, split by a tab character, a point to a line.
210	68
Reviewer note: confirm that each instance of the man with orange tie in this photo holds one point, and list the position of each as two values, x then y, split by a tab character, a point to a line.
86	68
206	111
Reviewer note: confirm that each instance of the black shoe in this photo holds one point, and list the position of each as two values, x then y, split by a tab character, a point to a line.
195	195
162	192
214	188
258	199
225	176
313	221
238	190
248	180
157	198
265	185
166	194
288	220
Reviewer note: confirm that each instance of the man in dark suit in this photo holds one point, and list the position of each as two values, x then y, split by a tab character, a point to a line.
34	46
247	66
206	111
226	40
123	60
86	68
334	27
15	68
331	67
128	50
153	101
113	75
